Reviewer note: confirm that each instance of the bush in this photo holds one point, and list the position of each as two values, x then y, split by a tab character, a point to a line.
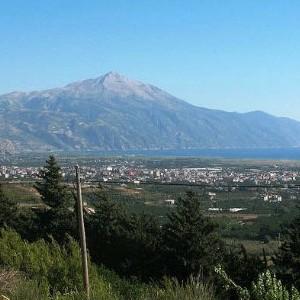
268	287
52	266
59	267
53	270
9	280
173	290
29	289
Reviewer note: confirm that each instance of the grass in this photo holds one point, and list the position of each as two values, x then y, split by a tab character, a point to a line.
256	247
171	290
21	192
47	271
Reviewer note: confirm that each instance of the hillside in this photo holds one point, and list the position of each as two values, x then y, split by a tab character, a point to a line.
113	112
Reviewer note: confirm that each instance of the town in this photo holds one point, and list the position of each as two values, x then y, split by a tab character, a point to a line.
135	171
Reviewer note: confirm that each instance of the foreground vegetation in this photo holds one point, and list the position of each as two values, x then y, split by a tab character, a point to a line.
133	256
45	270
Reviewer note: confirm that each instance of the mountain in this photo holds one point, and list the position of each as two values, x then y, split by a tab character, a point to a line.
113	112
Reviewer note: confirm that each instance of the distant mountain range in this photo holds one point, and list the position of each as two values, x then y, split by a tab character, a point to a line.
113	112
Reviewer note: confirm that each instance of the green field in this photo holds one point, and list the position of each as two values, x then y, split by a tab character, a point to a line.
257	227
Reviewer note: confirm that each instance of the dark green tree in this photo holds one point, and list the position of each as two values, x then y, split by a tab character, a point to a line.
27	224
287	260
192	246
144	248
242	268
128	243
106	231
8	210
23	220
58	218
51	188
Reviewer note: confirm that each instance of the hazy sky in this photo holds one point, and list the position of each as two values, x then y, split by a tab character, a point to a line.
234	55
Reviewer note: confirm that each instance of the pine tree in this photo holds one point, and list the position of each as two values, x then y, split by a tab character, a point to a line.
144	248
128	243
8	209
107	231
57	220
51	188
287	260
190	239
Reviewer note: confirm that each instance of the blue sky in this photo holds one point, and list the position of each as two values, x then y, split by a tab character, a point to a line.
237	55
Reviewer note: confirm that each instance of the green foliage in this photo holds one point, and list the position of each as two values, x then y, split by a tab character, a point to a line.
268	287
264	228
32	290
173	290
58	267
58	220
127	243
170	290
27	224
51	188
29	290
54	272
242	267
144	246
234	290
287	260
190	240
136	246
57	223
106	231
8	210
24	220
9	280
21	192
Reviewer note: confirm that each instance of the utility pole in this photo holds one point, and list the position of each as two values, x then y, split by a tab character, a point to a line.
82	235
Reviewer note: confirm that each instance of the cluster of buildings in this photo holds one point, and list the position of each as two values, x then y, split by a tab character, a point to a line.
131	171
218	179
207	176
18	173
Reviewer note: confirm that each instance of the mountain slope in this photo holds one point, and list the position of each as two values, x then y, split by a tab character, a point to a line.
113	112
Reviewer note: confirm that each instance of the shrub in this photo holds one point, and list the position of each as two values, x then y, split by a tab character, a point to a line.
59	267
47	263
29	290
9	280
172	289
55	270
268	287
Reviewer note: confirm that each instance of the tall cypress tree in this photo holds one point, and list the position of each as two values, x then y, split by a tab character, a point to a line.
51	188
57	220
190	239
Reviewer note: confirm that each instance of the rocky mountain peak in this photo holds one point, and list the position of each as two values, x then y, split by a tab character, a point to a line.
115	84
112	112
113	76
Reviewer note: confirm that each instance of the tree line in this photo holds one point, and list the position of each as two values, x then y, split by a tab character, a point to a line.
138	247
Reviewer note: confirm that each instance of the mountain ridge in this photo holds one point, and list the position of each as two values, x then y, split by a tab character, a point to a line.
113	112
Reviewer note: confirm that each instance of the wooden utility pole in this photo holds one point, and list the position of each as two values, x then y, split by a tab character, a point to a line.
82	235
